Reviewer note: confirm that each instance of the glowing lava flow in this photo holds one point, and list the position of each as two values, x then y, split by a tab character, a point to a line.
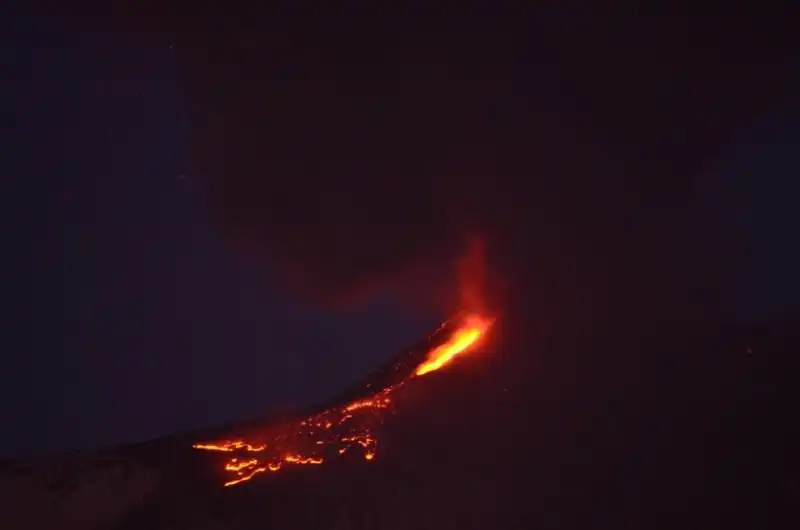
462	339
337	430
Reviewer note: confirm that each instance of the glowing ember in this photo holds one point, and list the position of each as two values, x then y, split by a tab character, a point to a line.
335	431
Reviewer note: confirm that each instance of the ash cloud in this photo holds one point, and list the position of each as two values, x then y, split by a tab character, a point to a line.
350	181
340	215
357	167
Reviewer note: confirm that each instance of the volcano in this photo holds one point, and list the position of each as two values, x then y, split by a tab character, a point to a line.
605	394
468	446
156	473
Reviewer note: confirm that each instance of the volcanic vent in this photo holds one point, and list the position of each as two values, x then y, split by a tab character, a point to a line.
351	424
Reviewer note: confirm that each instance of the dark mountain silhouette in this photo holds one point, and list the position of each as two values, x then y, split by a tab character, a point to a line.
707	439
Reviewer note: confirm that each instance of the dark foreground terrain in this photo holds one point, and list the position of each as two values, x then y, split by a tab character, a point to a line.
577	432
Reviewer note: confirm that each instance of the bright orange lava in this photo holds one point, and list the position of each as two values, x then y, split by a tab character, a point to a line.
461	340
335	431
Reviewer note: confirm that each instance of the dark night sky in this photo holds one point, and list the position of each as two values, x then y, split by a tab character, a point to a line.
757	178
130	316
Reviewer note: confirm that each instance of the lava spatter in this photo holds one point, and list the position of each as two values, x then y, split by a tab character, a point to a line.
339	430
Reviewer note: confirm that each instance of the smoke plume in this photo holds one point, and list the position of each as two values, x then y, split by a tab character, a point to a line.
358	169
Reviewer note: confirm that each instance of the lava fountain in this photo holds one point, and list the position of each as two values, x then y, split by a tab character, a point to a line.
337	430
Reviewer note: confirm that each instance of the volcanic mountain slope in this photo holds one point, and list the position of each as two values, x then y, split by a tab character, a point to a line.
135	483
498	440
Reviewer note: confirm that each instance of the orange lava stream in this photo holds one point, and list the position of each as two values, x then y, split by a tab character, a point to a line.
461	340
335	431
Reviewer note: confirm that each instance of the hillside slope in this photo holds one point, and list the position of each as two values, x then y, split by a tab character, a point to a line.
508	439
